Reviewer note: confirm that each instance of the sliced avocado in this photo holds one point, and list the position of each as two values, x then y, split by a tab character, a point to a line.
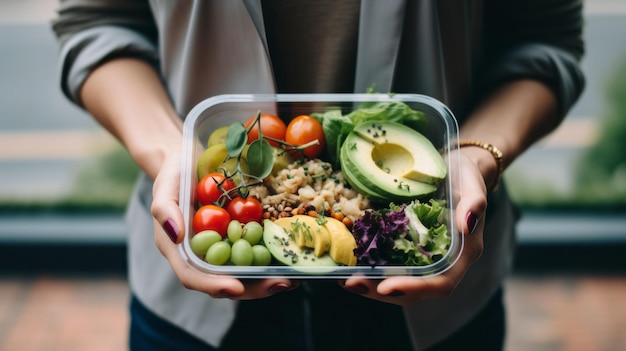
354	182
391	161
307	232
285	250
342	243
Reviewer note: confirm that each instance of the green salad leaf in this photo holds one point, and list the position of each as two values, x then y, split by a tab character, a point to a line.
429	239
337	126
394	111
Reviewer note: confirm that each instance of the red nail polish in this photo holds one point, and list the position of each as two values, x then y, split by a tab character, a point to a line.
280	287
170	229
471	221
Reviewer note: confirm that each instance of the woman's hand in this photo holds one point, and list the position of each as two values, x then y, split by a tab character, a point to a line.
170	231
469	217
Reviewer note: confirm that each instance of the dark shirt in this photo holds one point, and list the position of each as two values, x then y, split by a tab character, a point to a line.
304	58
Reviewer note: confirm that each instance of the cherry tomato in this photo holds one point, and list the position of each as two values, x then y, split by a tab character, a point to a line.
211	187
211	217
304	129
245	209
271	126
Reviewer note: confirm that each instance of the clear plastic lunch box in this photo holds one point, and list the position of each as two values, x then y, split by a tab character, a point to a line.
223	110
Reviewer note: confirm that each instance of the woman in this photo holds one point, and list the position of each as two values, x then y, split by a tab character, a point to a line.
507	69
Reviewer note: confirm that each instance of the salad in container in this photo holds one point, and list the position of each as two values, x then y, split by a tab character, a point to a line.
320	186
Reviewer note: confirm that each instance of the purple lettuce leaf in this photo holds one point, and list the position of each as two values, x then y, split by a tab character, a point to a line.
375	233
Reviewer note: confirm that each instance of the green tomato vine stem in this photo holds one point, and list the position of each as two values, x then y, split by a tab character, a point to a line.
261	166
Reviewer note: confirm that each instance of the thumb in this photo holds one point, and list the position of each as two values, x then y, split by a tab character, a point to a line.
165	199
472	202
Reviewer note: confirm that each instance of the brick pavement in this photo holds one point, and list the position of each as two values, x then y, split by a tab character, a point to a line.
567	313
551	312
66	314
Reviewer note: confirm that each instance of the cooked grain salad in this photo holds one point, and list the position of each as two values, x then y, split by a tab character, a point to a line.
310	187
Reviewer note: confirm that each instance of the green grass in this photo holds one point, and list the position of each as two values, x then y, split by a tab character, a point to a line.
594	197
104	184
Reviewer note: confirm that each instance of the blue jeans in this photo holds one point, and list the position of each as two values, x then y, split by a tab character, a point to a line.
316	319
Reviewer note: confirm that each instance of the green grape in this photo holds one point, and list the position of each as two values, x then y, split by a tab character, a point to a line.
253	232
241	254
218	254
261	255
201	242
234	230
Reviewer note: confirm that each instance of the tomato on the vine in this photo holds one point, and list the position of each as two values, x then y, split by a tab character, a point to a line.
211	217
211	187
271	126
304	129
245	209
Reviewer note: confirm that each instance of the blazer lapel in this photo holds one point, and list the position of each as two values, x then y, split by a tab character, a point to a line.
380	30
255	9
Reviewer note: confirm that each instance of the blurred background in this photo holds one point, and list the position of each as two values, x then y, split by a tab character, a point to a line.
64	183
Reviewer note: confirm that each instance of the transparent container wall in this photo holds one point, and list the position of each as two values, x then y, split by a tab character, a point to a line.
223	110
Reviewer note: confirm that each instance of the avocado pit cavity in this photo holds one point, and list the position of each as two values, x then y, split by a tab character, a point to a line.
393	159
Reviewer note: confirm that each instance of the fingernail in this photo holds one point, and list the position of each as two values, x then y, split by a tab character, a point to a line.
396	293
280	287
472	221
227	293
357	289
170	229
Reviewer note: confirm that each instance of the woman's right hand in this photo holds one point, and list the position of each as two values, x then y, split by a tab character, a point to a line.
170	231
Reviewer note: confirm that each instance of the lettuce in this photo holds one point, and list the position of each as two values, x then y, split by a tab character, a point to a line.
337	126
375	232
388	236
394	111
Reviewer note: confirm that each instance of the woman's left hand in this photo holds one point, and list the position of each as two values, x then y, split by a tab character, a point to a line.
469	218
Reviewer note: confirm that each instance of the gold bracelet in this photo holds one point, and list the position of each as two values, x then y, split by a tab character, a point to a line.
495	152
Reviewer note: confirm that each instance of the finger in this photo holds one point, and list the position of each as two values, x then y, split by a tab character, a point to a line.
472	202
260	288
402	291
165	193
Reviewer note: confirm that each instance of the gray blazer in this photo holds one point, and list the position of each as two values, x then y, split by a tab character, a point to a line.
455	51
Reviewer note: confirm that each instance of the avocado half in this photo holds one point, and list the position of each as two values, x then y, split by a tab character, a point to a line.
389	161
